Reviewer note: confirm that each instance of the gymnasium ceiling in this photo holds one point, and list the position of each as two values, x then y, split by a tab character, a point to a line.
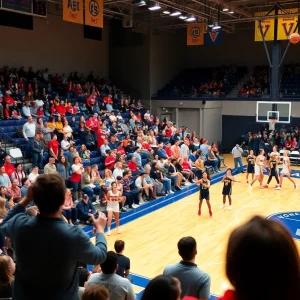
203	10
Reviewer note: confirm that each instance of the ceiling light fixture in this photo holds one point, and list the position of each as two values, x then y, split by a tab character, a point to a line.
156	6
166	12
190	19
225	9
216	26
231	12
183	17
175	13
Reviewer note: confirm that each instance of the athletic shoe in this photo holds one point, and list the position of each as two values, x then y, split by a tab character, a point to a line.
296	186
193	180
210	213
76	223
177	188
199	212
229	207
135	206
94	203
188	183
250	187
108	232
278	188
123	209
171	192
222	206
119	230
265	186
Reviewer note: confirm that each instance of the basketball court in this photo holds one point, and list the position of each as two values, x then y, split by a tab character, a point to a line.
151	239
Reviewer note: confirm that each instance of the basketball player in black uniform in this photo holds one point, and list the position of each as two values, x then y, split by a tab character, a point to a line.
250	166
227	188
204	192
273	169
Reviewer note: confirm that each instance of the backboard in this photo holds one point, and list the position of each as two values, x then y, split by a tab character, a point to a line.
280	112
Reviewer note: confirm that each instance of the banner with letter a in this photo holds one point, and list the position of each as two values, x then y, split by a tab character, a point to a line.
213	38
287	26
94	13
268	27
73	11
195	34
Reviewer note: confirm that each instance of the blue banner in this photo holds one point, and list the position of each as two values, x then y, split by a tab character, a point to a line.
213	38
18	5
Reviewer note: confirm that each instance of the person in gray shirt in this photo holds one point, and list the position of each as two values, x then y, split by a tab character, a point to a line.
194	282
47	248
119	288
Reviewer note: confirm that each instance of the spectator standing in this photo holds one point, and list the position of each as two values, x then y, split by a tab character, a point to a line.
77	170
29	133
119	288
61	279
237	153
123	261
194	282
53	147
37	148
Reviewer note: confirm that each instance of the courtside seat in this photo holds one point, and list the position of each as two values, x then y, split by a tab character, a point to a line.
295	157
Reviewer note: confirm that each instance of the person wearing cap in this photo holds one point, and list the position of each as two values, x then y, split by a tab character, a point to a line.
86	210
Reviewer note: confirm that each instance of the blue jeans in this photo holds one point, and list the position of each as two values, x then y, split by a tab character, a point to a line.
37	159
76	186
91	191
166	184
238	161
71	214
214	164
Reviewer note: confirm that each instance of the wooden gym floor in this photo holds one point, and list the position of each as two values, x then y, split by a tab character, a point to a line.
151	240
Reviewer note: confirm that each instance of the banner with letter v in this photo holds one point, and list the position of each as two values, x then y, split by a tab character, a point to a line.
213	38
287	25
268	27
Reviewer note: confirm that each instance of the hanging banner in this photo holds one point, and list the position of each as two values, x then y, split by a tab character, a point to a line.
73	11
287	26
268	27
195	34
213	38
94	13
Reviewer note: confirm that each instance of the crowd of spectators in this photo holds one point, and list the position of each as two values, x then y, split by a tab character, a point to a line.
257	85
284	138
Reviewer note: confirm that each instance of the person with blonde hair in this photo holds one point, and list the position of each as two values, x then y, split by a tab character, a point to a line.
7	269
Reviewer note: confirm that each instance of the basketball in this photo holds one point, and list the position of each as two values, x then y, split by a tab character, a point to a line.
295	38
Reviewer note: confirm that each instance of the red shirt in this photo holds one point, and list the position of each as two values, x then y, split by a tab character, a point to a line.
6	113
92	123
78	91
229	295
54	145
100	138
107	99
146	146
121	150
168	151
132	166
9	100
185	165
90	100
168	132
9	169
61	109
69	87
40	113
70	109
288	144
52	109
109	162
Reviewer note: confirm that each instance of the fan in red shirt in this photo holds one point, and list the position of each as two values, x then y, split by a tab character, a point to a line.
54	146
61	109
78	89
8	100
110	160
7	113
93	123
168	131
90	101
70	109
107	100
132	165
40	112
9	168
70	86
168	150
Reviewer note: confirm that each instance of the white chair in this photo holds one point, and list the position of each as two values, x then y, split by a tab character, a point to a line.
16	153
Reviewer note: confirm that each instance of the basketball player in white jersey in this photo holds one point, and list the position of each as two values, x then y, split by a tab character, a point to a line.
275	153
259	167
286	171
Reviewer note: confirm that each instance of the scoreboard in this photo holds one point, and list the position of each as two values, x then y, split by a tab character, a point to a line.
29	7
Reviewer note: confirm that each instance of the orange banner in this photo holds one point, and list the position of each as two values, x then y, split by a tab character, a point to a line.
195	34
73	11
94	13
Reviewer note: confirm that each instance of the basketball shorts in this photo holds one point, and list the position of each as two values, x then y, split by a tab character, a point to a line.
257	170
113	206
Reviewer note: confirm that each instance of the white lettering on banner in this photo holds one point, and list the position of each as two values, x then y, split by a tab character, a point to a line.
283	216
